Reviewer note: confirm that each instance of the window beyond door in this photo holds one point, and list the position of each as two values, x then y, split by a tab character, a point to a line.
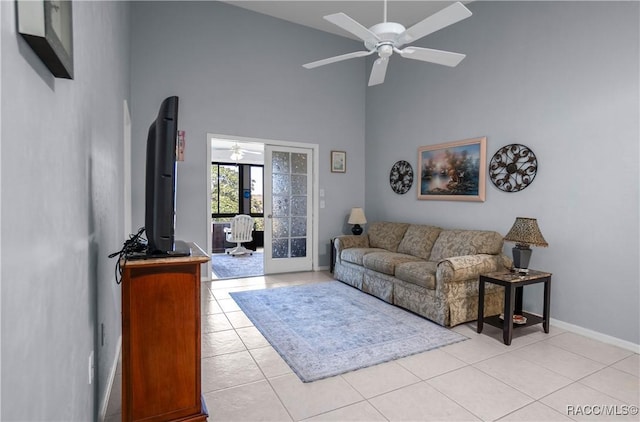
237	189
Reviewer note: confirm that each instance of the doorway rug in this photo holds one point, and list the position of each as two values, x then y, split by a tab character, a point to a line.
228	266
326	329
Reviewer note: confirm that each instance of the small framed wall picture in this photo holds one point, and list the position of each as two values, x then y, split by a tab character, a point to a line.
338	162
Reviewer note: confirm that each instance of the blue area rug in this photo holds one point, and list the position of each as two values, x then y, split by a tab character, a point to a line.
228	266
326	329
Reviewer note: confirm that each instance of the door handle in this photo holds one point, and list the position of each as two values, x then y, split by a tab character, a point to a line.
270	216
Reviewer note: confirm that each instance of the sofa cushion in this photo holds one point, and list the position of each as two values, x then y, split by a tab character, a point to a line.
386	235
465	242
451	243
488	242
418	240
421	273
385	262
355	255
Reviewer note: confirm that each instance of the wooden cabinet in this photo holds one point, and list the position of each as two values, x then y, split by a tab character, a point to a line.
161	339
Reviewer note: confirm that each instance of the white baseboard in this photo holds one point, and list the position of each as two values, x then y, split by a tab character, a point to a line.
627	345
112	376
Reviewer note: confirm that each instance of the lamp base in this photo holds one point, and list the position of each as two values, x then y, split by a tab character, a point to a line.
356	230
521	258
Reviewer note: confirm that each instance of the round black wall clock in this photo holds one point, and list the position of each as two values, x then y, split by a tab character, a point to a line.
401	177
513	167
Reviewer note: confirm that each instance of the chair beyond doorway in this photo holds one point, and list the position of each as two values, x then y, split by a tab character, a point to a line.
241	231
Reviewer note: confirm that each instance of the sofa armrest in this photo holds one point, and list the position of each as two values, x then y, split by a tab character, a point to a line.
460	268
351	241
341	243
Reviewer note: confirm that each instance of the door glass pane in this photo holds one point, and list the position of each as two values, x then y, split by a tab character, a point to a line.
298	226
299	205
299	163
280	248
298	247
289	209
281	184
280	161
281	206
280	228
298	184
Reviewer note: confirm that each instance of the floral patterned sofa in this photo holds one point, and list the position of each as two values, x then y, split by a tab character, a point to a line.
425	269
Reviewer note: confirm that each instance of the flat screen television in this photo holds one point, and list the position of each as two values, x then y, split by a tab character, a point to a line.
161	183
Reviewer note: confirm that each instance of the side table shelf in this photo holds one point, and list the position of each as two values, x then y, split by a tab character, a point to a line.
513	284
532	319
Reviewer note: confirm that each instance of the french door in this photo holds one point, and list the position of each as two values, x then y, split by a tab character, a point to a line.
288	200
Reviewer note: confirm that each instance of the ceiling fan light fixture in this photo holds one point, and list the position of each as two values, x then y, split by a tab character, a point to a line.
236	153
385	50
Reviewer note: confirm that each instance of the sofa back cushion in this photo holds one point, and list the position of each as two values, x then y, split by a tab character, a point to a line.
418	240
465	242
386	235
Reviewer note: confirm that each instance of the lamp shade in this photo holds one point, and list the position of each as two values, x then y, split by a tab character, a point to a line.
525	231
357	216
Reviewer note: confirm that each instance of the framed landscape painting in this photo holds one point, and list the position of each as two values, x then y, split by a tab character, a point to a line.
453	171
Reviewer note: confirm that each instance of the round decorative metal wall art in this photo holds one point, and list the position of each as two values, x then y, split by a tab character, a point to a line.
513	167
401	177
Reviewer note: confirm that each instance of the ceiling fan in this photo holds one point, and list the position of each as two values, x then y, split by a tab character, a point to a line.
387	37
237	152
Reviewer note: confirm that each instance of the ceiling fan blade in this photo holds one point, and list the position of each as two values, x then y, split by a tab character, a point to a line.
378	71
447	16
446	58
337	59
348	24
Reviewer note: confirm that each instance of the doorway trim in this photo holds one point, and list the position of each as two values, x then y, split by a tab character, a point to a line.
278	143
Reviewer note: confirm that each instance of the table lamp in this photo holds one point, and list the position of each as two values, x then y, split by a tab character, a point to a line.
525	232
356	218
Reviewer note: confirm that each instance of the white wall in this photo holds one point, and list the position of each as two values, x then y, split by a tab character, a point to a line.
561	78
62	214
240	73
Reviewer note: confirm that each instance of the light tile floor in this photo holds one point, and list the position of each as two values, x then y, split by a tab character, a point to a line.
540	377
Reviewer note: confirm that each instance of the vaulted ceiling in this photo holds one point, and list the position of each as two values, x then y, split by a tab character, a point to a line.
368	13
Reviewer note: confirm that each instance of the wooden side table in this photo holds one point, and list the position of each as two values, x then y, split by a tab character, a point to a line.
161	357
513	284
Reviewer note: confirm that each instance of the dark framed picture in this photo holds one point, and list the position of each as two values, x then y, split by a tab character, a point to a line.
47	26
338	162
453	171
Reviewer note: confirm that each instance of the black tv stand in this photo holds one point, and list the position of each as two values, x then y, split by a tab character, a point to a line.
180	249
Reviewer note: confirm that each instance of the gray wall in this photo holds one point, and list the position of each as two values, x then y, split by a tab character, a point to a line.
240	73
62	214
561	78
